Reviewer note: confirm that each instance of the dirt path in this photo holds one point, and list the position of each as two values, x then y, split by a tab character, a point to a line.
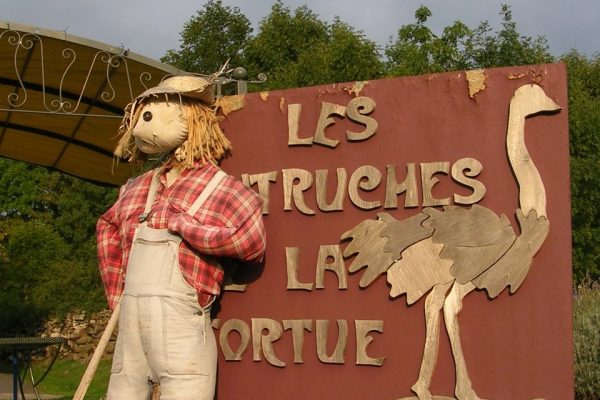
6	389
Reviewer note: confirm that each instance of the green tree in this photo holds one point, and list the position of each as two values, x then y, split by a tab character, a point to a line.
293	48
417	50
584	123
47	245
506	47
32	248
345	55
216	33
297	49
282	39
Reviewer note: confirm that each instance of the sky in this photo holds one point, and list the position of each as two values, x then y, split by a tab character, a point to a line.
151	27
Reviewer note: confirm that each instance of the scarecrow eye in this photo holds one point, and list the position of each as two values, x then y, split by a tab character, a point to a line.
147	116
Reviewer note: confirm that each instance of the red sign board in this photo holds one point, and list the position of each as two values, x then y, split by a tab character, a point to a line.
329	158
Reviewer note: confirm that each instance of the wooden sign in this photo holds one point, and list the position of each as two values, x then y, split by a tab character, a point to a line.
418	240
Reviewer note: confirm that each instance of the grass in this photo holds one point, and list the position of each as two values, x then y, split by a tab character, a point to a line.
586	341
65	376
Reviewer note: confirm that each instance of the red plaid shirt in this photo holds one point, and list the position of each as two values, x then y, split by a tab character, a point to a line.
229	224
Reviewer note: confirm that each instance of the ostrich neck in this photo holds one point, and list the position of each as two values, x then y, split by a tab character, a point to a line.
532	195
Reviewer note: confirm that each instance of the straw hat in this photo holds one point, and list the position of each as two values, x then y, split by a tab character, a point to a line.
193	86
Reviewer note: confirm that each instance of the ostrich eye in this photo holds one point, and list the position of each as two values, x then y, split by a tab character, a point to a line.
147	116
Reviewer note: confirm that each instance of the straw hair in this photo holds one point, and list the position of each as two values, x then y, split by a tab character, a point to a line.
206	142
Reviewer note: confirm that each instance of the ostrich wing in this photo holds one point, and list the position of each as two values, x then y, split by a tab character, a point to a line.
512	268
380	242
368	244
474	239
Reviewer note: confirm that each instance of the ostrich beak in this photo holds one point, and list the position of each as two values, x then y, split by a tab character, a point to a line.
551	106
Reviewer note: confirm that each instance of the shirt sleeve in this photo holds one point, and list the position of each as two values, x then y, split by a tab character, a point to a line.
108	241
247	241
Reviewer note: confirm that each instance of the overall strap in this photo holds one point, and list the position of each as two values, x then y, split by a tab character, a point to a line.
151	196
210	187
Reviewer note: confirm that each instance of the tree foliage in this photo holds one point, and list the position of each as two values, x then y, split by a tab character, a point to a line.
506	47
283	39
417	50
584	123
297	49
47	245
211	37
294	48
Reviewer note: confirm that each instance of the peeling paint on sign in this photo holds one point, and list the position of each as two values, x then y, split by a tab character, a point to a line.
476	79
229	104
516	76
431	77
264	96
281	103
356	88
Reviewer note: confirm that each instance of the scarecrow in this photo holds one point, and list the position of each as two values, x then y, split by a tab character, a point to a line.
159	245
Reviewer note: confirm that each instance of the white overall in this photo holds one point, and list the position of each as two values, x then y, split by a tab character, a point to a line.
164	335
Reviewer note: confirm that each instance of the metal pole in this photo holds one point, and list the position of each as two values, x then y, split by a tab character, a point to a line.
15	370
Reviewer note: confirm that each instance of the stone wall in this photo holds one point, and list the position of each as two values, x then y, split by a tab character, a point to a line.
81	332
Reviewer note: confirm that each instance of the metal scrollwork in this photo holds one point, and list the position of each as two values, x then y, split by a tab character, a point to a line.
61	100
145	77
15	38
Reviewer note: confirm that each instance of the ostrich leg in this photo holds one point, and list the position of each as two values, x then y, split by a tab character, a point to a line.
433	306
452	307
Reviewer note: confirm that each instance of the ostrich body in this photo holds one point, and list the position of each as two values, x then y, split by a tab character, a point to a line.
448	253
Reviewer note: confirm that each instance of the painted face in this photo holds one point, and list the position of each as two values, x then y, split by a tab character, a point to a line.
161	127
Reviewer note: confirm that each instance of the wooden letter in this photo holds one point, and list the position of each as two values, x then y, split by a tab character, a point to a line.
244	331
333	253
337	357
291	255
428	170
263	186
325	120
373	178
294	111
265	342
234	287
468	167
337	204
298	326
363	327
294	190
246	180
393	188
357	111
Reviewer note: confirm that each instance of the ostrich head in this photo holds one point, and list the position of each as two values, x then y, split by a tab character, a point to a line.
531	100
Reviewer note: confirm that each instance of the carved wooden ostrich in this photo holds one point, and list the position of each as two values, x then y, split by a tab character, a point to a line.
450	253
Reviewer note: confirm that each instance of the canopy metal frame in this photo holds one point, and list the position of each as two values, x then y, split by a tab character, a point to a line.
62	99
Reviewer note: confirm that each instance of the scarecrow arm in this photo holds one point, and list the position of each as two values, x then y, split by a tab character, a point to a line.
110	256
246	242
